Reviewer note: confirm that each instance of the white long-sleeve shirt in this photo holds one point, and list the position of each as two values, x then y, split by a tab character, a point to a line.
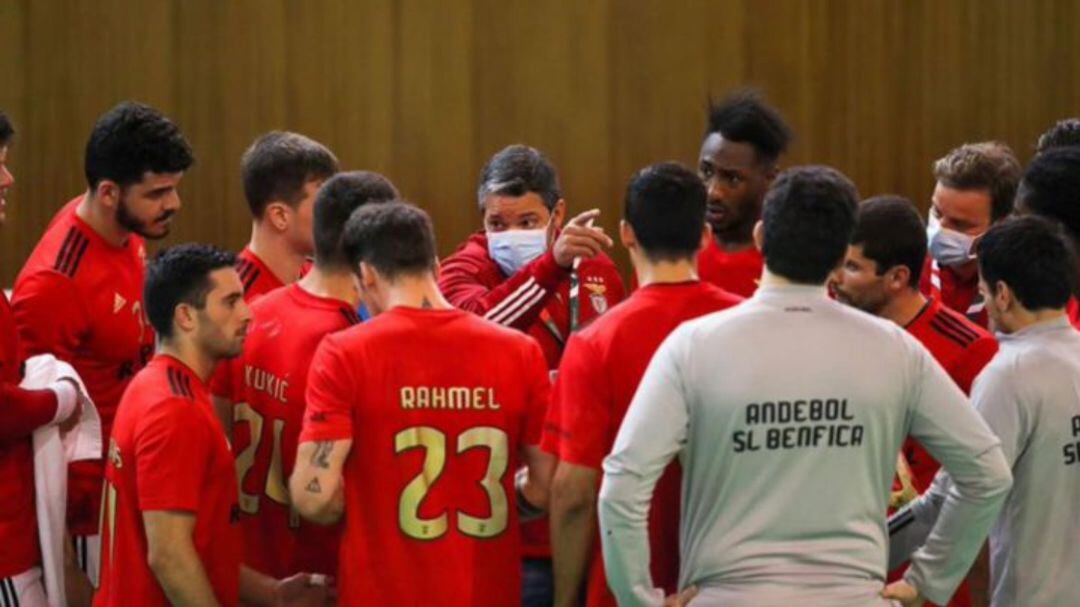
1029	394
787	413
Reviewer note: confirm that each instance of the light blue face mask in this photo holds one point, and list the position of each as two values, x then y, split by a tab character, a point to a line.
949	247
514	249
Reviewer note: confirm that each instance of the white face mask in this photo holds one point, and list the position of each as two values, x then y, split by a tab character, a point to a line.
514	249
949	247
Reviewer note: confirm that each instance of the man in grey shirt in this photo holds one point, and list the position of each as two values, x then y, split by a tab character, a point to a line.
787	413
1029	394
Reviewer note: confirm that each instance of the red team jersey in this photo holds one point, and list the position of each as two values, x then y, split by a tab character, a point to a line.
167	452
962	348
79	298
962	296
599	374
257	278
21	411
287	325
736	273
438	404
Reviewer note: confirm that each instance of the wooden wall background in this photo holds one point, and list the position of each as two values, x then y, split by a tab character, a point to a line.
426	90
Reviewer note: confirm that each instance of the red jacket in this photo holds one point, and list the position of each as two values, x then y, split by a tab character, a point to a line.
536	299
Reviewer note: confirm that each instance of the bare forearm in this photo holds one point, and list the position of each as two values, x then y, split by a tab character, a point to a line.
316	486
256	588
571	543
183	578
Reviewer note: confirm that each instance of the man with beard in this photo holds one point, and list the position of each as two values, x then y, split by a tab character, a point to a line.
169	526
79	296
743	140
880	275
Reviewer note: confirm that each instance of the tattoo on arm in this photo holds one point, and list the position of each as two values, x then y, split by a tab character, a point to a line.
314	486
321	457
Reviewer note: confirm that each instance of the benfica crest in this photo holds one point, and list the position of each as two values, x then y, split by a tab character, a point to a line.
596	289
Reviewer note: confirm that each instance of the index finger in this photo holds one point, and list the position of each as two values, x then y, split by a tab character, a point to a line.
585	218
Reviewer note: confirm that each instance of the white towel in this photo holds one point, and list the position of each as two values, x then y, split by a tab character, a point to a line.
52	454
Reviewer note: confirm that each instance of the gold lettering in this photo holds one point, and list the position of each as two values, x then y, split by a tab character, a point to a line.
438	398
492	404
478	398
408	397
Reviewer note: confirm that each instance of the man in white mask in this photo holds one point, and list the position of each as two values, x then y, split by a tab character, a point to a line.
520	271
976	184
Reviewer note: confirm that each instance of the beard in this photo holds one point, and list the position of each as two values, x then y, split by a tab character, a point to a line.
129	222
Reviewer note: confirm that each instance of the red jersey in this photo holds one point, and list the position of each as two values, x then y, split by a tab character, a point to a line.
599	374
536	299
438	404
21	411
1072	310
963	296
167	452
79	298
287	325
962	348
736	273
257	278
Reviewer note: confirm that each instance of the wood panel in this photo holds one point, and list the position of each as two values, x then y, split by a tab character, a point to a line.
426	90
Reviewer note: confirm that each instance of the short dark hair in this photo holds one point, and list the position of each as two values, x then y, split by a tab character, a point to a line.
517	170
1064	133
665	204
131	139
808	217
395	238
278	165
337	199
6	130
180	274
744	117
891	233
988	165
1031	256
1051	187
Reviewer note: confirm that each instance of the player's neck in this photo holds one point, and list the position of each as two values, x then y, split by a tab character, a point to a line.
735	241
331	284
1019	319
274	251
187	353
665	272
415	292
101	220
903	308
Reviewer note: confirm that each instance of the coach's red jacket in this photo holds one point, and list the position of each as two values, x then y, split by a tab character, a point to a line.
536	299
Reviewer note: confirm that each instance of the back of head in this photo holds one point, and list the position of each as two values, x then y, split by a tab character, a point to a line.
891	233
665	205
132	139
337	199
7	131
180	274
989	166
517	170
394	238
745	118
279	164
1030	255
1065	133
1051	188
808	218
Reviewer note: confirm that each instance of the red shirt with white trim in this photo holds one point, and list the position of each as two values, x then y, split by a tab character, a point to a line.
167	452
438	404
79	297
943	284
21	412
599	374
737	273
287	326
